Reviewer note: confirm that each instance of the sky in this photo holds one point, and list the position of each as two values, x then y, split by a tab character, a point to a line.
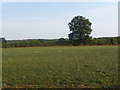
33	20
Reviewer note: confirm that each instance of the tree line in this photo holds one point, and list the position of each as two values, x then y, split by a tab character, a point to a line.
80	30
57	42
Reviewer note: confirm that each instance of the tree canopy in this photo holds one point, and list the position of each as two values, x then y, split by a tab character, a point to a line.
80	28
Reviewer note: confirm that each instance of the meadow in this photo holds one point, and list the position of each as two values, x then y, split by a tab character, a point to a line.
60	67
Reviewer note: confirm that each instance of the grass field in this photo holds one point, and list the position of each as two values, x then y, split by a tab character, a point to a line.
53	67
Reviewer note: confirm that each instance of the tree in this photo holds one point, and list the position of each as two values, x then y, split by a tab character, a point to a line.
4	40
4	43
118	40
80	28
114	41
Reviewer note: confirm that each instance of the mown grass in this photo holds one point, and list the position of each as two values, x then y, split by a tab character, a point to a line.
54	67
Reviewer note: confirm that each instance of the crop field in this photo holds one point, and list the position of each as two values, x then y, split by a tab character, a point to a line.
60	67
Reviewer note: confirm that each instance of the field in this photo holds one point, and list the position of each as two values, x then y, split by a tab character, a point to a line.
66	67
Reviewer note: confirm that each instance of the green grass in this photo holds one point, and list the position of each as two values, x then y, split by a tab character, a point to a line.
53	67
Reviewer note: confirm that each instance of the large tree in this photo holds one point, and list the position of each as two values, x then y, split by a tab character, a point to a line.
80	28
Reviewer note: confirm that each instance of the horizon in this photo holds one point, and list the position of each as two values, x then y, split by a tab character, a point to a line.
52	38
49	20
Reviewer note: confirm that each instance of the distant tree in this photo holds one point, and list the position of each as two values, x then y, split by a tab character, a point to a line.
108	41
4	43
4	40
61	39
118	40
114	41
80	28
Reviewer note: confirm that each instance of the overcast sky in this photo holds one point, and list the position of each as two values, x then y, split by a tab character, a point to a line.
28	20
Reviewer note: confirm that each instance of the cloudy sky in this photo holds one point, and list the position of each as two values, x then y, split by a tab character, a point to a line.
27	20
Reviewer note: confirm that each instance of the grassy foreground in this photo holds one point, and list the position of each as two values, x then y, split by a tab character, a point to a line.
52	67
